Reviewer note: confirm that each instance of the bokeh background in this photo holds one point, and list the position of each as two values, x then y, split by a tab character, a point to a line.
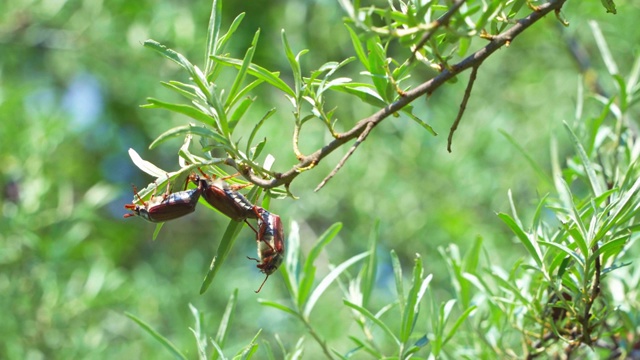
73	75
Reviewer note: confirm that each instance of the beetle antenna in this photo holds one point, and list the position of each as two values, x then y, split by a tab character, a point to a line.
261	285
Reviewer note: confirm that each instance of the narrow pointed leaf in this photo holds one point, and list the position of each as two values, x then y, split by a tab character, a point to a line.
145	166
278	306
189	130
215	19
187	110
293	62
242	71
407	111
161	339
226	243
223	328
308	272
586	163
357	46
530	244
461	319
367	314
272	78
324	284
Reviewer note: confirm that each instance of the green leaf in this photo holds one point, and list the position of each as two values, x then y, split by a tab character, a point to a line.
510	287
256	128
565	250
397	271
443	318
156	231
290	271
255	151
166	52
244	92
189	130
293	62
278	306
607	57
324	284
145	166
357	46
537	215
469	266
542	174
222	41
609	5
367	314
364	92
194	72
530	244
186	90
201	341
248	351
586	163
187	110
259	72
411	308
222	124
362	346
621	206
612	247
226	243
242	71
215	19
407	110
308	272
377	67
417	345
161	339
223	328
577	229
370	268
239	112
457	324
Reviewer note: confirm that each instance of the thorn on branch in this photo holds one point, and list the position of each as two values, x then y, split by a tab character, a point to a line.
463	105
485	35
533	7
360	139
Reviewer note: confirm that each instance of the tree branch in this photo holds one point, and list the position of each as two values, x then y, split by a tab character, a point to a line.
361	138
463	105
427	88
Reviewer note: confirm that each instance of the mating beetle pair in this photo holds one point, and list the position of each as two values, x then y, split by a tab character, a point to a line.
269	236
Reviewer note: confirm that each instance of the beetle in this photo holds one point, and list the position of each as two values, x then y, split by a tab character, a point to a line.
270	240
229	202
168	206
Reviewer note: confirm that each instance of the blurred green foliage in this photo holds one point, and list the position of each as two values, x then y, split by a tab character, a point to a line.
72	77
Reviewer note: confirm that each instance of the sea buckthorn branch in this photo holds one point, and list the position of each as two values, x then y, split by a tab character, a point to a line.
426	88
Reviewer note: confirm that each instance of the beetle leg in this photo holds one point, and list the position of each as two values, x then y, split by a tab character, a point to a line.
135	192
168	192
261	285
252	228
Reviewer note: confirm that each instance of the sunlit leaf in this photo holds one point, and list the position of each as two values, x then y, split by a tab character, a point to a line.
191	130
324	284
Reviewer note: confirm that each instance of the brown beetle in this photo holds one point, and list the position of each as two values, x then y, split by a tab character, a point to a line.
168	206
